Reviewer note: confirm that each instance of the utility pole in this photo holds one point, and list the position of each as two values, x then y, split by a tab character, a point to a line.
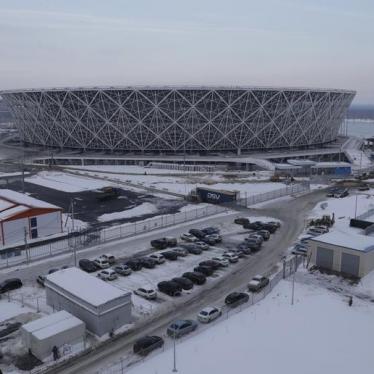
26	244
175	356
73	231
72	213
293	281
356	192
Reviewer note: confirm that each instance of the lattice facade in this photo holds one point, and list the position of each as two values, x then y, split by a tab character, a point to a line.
178	119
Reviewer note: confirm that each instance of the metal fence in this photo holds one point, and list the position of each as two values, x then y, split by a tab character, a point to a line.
271	195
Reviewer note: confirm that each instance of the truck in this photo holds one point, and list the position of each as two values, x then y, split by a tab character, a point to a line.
108	193
209	195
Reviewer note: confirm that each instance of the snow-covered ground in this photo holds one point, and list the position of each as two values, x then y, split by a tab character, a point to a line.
319	333
140	210
66	182
11	309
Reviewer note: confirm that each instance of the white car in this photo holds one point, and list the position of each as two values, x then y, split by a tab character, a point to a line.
159	258
101	263
222	260
107	274
209	314
232	257
189	237
146	292
110	258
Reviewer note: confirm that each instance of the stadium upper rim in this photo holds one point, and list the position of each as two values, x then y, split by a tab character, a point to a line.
177	87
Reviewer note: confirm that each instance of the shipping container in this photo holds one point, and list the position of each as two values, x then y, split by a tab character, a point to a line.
209	195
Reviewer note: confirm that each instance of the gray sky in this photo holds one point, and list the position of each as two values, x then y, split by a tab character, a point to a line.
318	43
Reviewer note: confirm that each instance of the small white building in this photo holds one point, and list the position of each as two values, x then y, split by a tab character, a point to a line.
20	214
103	307
349	254
59	329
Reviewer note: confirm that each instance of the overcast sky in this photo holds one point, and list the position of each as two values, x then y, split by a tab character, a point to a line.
318	43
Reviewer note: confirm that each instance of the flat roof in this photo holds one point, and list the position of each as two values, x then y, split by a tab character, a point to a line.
356	242
86	287
297	162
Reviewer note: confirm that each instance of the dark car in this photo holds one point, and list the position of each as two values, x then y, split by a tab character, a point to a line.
241	221
213	264
192	248
271	227
209	240
87	265
170	255
147	344
185	283
134	264
10	284
53	270
264	233
195	277
252	243
206	270
170	288
147	262
245	248
236	298
159	243
331	191
197	233
211	230
41	280
253	226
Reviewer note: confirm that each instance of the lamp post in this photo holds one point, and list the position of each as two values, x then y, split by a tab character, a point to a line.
174	355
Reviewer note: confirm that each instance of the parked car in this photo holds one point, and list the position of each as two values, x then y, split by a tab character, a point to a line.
180	251
264	233
122	269
252	243
232	257
197	233
185	283
10	284
257	237
147	344
277	224
195	277
170	255
209	314
158	257
341	193
202	245
364	187
181	327
53	270
192	248
159	243
213	264
258	283
41	280
101	263
110	258
134	264
216	237
189	237
224	262
332	191
238	252
236	298
299	249
241	221
87	265
253	226
147	262
170	288
206	270
208	239
244	247
211	230
107	274
146	292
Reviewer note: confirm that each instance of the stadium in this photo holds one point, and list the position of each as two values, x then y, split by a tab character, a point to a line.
178	119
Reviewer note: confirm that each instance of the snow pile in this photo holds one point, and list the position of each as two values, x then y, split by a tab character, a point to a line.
140	210
274	336
66	182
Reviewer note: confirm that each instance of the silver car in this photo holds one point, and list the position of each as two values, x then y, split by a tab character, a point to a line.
181	327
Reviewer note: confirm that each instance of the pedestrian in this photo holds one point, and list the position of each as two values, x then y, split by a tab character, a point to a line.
350	301
55	353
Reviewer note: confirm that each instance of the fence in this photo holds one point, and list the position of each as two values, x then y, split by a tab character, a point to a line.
88	238
287	268
271	195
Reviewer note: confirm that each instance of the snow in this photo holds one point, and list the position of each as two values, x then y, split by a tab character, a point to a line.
23	199
140	210
84	286
66	182
13	211
352	241
275	336
4	204
67	223
10	310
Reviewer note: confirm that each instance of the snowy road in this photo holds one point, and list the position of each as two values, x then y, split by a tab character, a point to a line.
292	213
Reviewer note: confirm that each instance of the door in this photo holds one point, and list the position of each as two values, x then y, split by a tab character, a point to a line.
324	258
350	264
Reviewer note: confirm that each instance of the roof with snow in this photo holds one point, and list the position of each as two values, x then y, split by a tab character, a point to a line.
12	203
85	287
350	241
298	162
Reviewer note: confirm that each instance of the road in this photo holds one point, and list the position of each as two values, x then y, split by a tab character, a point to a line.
291	212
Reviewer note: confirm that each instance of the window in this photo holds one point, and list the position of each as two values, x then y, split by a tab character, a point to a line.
34	233
33	222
